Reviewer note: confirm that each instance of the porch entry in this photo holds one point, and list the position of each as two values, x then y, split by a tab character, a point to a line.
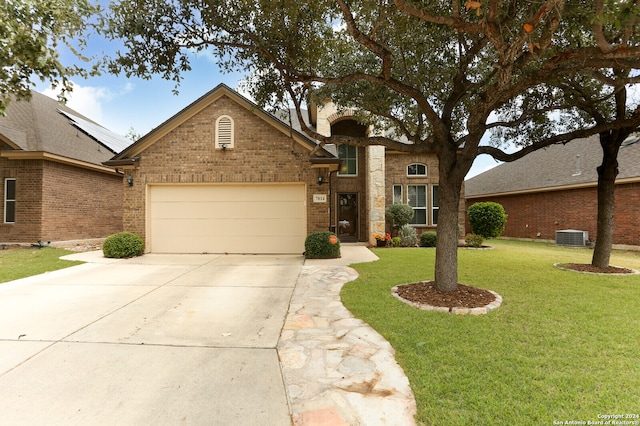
348	217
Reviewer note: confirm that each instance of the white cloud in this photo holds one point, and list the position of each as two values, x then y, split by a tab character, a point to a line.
88	100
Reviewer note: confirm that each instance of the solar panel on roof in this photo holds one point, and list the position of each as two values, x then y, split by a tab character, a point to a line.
111	140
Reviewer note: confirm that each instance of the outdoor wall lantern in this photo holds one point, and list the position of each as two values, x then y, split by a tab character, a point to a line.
321	178
130	180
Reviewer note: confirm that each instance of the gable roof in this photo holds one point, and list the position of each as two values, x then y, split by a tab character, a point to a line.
42	127
128	156
555	167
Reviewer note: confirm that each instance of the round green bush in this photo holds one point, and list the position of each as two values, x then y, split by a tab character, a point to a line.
428	239
474	240
487	219
399	214
408	236
318	246
123	245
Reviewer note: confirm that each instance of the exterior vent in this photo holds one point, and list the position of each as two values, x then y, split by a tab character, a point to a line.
572	237
224	132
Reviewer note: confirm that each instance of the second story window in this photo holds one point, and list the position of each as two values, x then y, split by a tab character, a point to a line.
416	169
349	156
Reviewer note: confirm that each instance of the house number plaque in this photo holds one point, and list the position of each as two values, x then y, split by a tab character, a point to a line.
319	198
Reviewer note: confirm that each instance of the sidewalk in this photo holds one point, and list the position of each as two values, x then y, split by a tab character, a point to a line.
338	370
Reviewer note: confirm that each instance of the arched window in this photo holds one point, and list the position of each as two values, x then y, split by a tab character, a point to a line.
416	169
224	132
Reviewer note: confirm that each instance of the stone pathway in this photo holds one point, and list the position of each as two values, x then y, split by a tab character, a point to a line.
338	370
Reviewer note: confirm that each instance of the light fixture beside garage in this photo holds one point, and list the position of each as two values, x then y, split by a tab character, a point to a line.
321	178
130	180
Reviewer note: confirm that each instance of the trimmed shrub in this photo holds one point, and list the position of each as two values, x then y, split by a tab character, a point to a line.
487	219
428	239
474	240
318	245
395	241
408	236
399	214
123	245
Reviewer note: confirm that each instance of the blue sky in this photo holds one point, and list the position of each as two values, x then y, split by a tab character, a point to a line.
119	103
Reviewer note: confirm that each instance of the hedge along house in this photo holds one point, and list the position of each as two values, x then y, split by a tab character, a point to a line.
54	185
224	176
555	189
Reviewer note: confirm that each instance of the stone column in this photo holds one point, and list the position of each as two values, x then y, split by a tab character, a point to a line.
375	191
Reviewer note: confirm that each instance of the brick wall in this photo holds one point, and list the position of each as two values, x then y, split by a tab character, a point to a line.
186	154
356	185
396	174
28	208
79	203
57	202
539	215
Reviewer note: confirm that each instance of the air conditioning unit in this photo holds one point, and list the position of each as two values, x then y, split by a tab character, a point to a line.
572	237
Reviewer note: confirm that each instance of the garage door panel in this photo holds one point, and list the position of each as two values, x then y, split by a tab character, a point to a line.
227	218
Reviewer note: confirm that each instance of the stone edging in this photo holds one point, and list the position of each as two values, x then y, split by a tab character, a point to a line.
562	268
457	310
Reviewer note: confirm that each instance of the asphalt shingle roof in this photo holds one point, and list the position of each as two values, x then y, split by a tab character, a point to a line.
43	124
558	165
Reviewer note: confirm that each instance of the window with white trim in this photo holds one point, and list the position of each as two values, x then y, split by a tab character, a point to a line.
349	156
397	194
435	204
417	198
224	132
416	169
9	200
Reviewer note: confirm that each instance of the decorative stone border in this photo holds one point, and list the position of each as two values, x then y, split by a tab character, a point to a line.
562	268
482	310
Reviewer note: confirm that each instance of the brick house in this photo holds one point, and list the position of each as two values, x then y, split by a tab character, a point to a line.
555	189
54	185
224	176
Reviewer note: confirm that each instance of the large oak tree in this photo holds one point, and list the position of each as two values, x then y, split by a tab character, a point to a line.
433	77
32	32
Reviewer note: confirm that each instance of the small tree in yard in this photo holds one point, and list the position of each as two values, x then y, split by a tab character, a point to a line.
487	219
399	215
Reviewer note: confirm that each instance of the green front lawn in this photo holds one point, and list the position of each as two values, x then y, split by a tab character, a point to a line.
21	263
562	347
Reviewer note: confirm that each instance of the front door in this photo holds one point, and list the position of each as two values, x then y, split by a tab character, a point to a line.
348	217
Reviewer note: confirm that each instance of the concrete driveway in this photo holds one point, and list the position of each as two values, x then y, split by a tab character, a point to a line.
161	339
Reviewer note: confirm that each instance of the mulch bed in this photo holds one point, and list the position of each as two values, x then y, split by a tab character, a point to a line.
465	296
587	267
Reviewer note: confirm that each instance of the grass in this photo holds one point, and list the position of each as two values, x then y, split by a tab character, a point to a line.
562	347
21	263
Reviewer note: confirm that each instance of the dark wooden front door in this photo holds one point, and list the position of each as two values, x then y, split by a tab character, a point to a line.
348	216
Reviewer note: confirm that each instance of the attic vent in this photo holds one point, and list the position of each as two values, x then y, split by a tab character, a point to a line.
224	132
572	237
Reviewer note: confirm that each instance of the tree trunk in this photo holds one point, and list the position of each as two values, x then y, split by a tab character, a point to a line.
607	173
449	187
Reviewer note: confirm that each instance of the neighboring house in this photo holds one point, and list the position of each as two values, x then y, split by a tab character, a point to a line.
224	176
54	185
555	189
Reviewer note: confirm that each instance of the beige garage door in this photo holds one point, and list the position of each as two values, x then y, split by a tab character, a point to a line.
227	218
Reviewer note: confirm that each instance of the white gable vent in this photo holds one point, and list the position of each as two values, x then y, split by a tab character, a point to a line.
224	132
572	237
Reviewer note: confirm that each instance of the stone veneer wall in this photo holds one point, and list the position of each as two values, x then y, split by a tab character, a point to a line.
375	191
